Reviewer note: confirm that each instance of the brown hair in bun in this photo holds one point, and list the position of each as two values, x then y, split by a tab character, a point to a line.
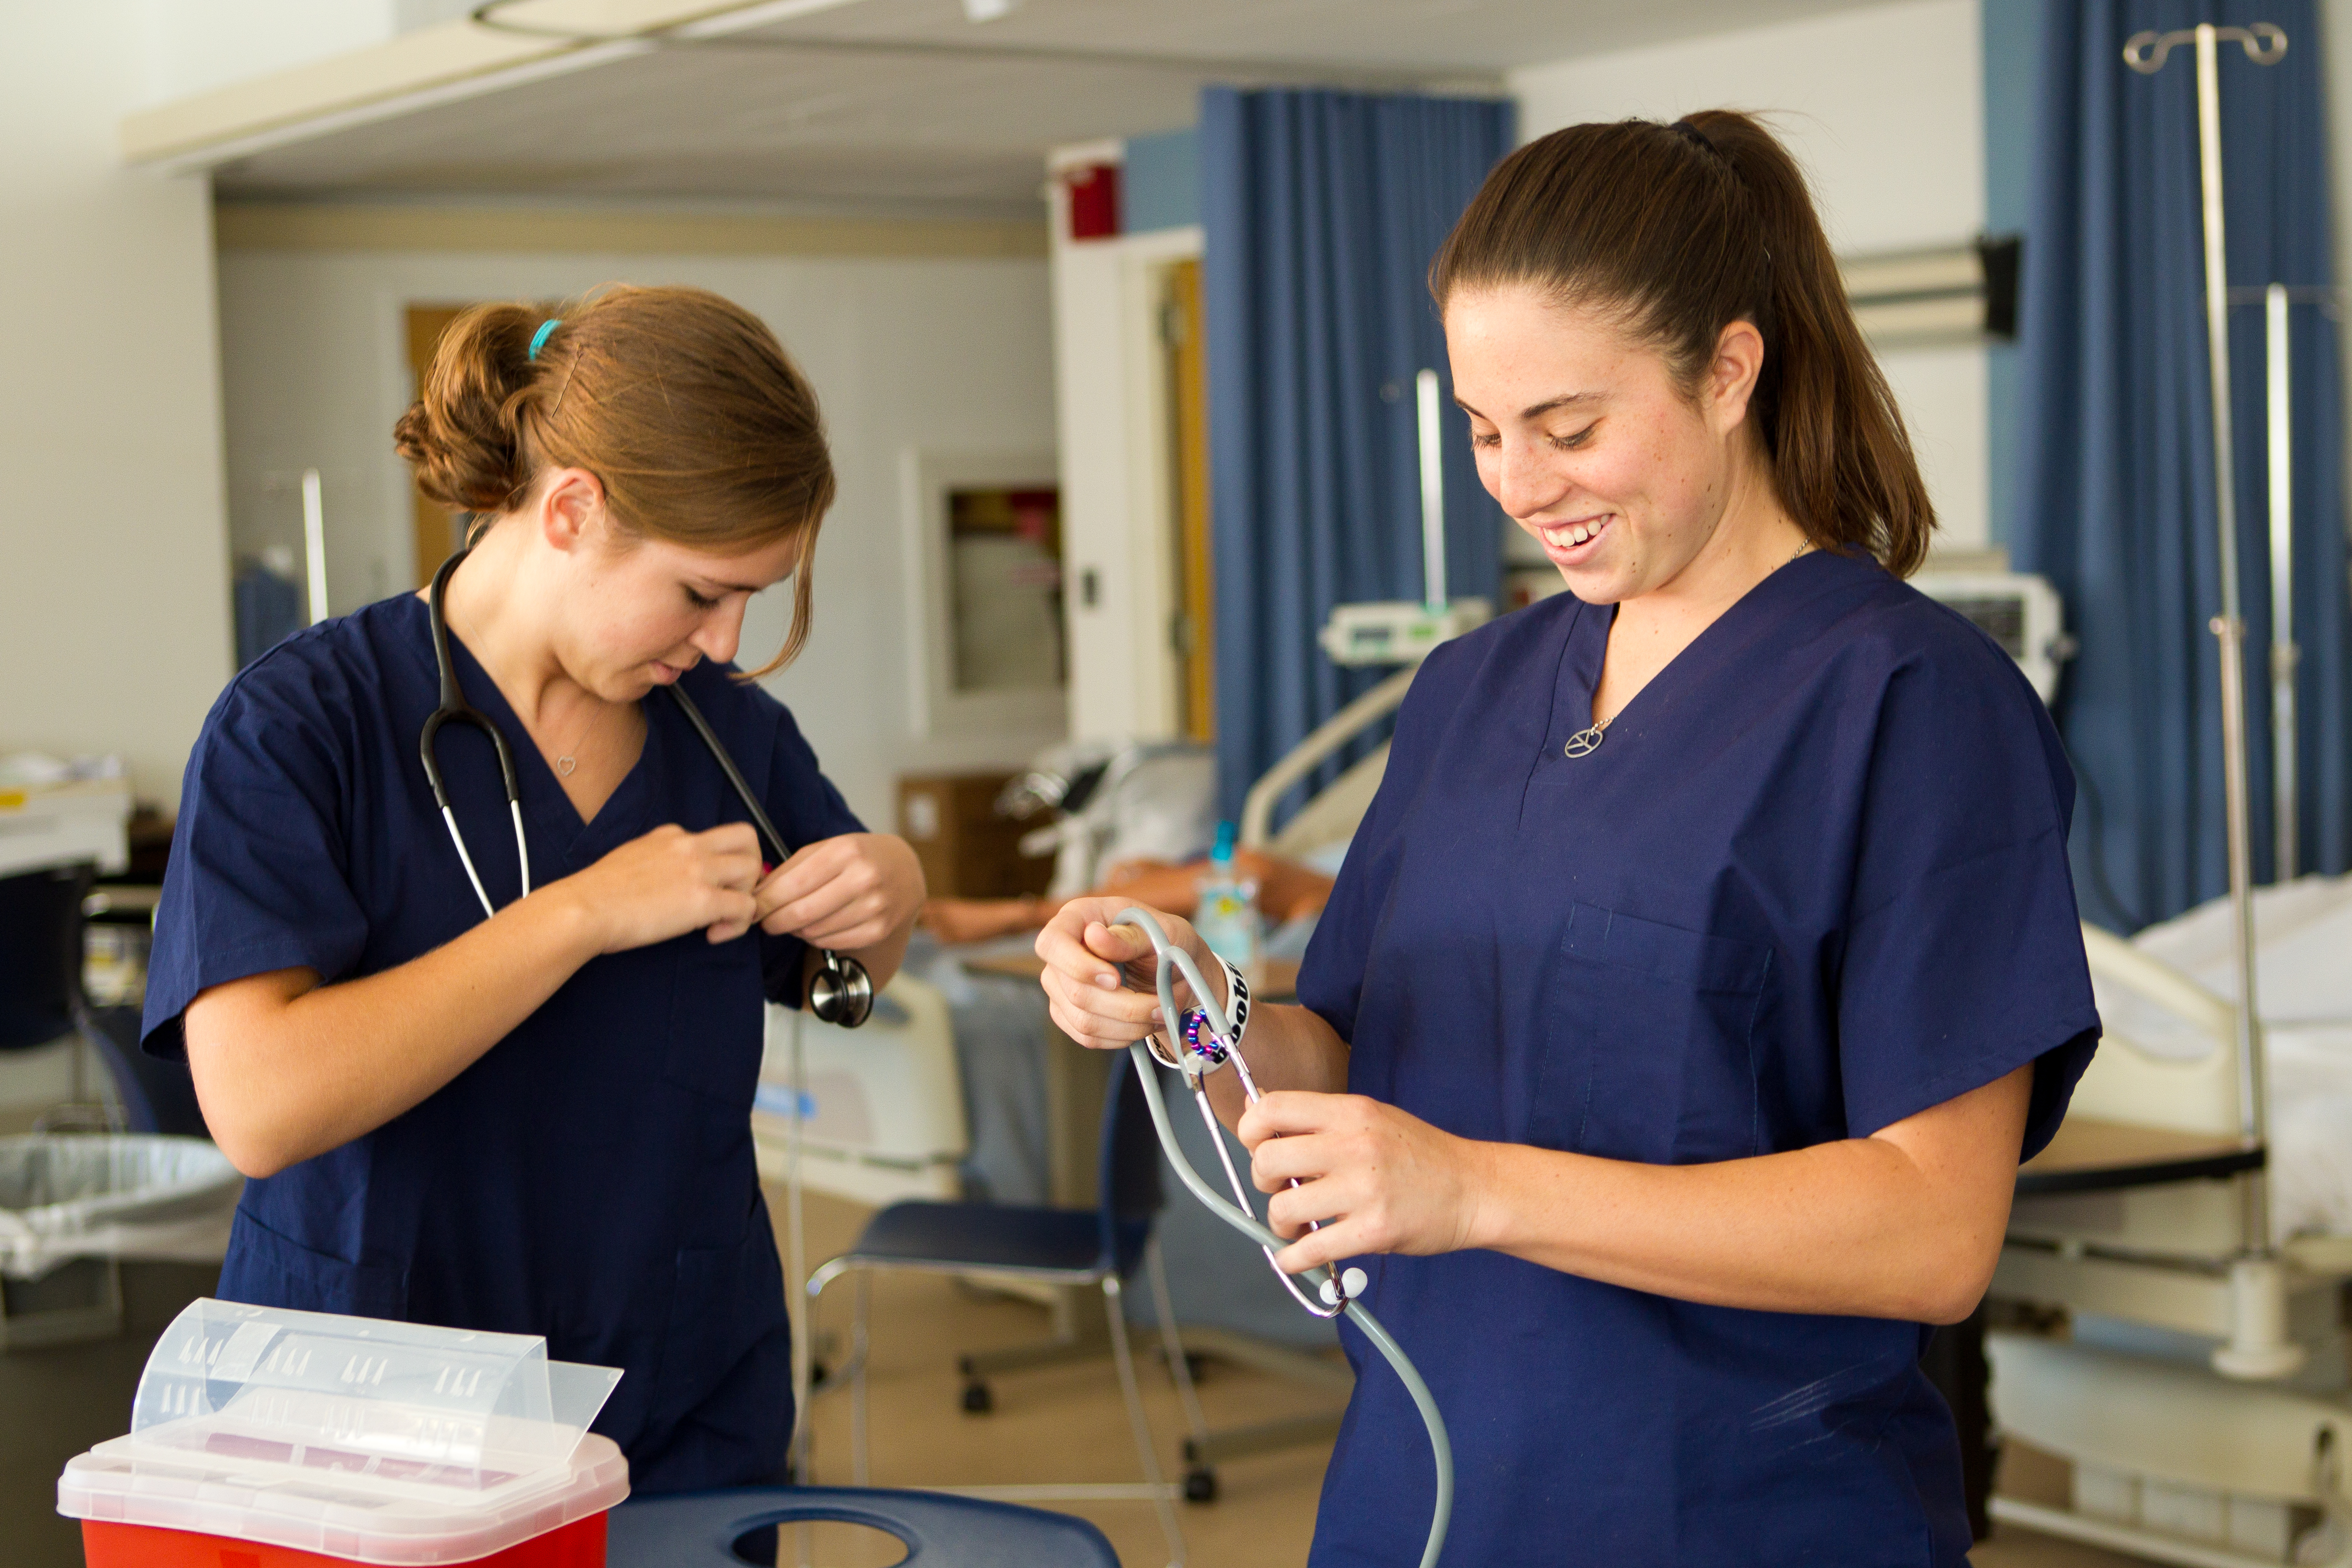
701	428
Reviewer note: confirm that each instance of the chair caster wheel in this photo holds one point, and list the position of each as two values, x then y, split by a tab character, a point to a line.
1200	1484
977	1399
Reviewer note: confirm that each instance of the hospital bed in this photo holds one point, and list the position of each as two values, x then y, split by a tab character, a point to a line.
2199	1395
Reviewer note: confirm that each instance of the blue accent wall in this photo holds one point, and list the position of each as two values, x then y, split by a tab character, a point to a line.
1160	185
2011	32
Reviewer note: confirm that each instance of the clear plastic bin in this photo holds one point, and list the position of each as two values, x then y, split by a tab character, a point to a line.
351	1439
112	1196
72	1206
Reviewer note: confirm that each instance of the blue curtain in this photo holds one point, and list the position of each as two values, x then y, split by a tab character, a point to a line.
1321	211
2116	466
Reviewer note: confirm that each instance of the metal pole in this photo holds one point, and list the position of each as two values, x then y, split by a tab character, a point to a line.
2285	652
1433	493
2229	630
796	1270
314	544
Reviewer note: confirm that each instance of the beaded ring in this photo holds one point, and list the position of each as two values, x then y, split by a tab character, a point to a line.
1212	1050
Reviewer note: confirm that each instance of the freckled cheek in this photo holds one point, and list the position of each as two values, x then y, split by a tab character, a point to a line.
1490	469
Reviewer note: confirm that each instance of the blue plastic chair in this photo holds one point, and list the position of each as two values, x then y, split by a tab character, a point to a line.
1103	1246
699	1530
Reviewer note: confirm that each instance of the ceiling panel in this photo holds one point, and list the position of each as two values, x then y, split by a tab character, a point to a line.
904	105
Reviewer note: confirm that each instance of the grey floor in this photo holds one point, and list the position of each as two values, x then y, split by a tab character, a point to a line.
57	1402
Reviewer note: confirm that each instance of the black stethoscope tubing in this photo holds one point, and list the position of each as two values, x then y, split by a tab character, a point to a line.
841	991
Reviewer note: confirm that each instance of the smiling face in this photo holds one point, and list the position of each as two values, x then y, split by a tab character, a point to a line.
1583	437
638	612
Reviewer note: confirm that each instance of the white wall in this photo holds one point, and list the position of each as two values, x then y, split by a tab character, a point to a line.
1883	107
194	45
944	355
113	597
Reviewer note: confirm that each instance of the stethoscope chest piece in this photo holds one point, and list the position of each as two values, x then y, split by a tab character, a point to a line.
841	992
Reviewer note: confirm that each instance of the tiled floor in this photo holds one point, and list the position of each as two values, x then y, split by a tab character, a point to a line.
1063	1424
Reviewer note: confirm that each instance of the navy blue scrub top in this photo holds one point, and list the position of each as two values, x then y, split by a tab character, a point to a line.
1814	881
590	1177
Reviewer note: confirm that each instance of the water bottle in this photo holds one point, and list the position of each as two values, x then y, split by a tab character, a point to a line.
1227	918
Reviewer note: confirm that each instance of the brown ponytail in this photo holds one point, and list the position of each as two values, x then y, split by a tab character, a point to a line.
1683	230
684	405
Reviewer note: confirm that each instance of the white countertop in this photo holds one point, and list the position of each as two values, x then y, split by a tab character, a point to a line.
46	825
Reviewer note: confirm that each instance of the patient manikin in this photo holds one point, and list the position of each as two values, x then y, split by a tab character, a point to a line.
1137	819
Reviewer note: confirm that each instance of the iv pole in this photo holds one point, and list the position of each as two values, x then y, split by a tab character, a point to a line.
2258	1346
2286	654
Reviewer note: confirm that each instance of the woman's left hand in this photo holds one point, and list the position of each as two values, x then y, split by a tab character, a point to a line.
844	893
1376	1178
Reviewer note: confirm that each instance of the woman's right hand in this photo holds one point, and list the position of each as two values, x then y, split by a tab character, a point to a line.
667	883
1091	966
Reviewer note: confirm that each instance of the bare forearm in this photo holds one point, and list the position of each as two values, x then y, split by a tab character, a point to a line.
288	1076
883	958
1853	1228
1286	1048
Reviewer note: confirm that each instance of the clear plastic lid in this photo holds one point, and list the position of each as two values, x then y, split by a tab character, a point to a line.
408	1407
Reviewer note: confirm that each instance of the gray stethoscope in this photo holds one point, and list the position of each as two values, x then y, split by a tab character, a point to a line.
841	992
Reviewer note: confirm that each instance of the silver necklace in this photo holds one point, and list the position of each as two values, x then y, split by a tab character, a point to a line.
564	764
1586	741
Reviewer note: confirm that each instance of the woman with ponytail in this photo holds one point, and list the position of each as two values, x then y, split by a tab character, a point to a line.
537	1121
1708	959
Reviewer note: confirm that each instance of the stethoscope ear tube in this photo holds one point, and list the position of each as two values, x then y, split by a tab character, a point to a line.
1173	959
841	991
455	710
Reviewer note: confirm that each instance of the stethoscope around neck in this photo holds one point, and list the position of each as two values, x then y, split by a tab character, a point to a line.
841	991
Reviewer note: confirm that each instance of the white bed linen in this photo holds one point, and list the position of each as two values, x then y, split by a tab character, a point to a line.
2302	938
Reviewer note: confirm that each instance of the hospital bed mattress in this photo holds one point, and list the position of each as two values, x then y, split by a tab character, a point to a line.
2304	988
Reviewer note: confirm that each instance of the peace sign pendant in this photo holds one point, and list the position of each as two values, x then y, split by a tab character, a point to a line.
1584	742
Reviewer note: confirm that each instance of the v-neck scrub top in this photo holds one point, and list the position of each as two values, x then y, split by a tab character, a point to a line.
590	1177
1812	881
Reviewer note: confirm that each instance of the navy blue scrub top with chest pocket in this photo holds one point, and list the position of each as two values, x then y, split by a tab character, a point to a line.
1812	881
590	1178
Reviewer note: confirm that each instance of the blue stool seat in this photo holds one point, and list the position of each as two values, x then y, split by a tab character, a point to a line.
698	1530
1010	1238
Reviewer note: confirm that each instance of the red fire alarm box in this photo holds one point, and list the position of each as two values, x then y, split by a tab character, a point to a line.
1094	201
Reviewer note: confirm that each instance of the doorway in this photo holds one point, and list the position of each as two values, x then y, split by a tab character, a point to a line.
1183	346
438	531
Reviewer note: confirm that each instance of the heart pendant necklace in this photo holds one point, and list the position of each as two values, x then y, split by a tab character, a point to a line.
565	764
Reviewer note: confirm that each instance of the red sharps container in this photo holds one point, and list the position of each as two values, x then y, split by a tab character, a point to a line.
265	1438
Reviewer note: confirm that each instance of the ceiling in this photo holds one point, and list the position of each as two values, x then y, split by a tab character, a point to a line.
906	106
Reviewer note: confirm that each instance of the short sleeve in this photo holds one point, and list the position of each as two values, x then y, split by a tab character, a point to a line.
1331	975
1963	957
258	878
806	809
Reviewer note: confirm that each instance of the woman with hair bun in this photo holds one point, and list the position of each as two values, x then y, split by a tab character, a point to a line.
1708	959
537	1120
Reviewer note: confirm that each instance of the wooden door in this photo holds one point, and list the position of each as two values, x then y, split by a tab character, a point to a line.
438	531
1181	326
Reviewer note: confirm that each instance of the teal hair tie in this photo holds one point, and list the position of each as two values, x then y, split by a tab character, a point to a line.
539	338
